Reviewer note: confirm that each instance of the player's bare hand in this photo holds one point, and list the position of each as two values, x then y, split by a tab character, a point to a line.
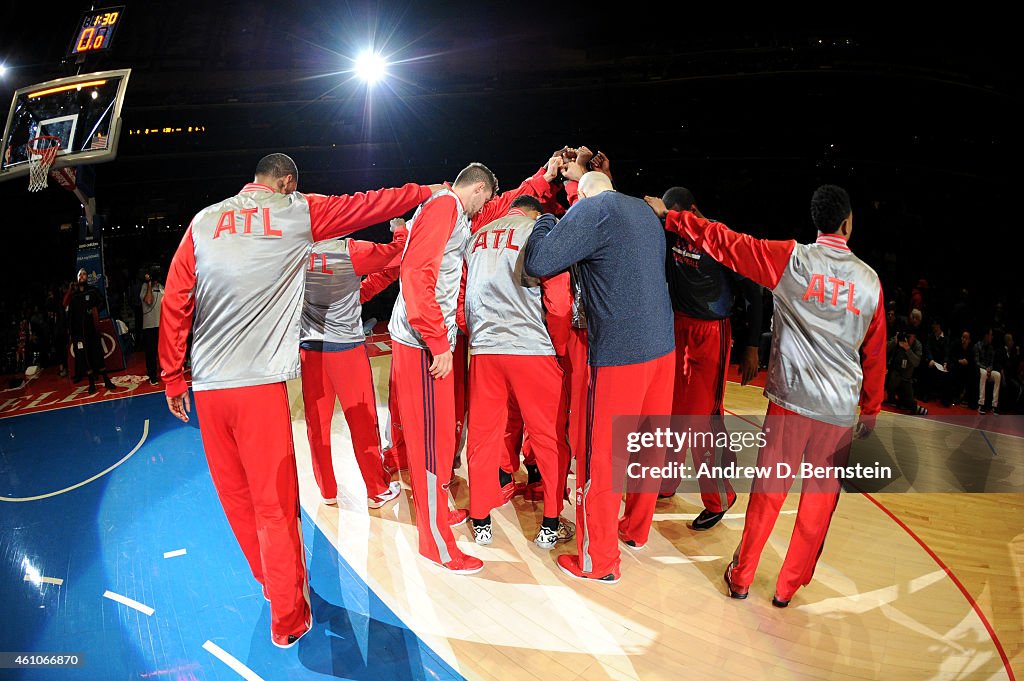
397	223
554	166
658	205
601	164
863	429
179	406
583	156
749	365
573	171
567	153
441	365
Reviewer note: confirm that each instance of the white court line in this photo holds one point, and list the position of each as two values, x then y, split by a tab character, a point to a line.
145	434
124	600
228	659
175	554
36	579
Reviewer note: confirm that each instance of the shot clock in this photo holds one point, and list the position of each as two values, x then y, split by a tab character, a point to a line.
95	31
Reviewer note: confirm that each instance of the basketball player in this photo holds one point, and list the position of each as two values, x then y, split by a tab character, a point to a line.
517	326
236	281
828	352
701	290
335	363
629	317
423	330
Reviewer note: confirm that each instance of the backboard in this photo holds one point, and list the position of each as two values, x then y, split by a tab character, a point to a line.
83	111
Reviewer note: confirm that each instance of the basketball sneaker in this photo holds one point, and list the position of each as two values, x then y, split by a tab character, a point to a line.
393	490
288	640
738	592
570	565
457	516
547	538
462	565
482	534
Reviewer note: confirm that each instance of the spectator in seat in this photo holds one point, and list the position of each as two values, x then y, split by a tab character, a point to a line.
935	377
904	354
988	371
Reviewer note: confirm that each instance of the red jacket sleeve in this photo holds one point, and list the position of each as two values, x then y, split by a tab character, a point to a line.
572	191
420	267
334	216
369	257
872	361
558	310
377	282
535	185
176	315
759	260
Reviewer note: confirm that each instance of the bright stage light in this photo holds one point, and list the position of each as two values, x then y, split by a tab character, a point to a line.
3	70
371	67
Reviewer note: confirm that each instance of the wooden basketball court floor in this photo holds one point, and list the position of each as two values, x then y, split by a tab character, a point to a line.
909	586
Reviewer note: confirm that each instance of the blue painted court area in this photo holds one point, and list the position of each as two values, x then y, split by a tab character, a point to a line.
111	534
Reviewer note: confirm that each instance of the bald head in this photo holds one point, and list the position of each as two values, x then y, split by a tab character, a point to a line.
594	183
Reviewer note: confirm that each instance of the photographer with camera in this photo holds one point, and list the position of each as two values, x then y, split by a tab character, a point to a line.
904	354
151	295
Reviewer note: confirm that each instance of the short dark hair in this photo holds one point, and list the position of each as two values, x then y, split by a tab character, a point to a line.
679	196
277	165
477	172
527	202
830	205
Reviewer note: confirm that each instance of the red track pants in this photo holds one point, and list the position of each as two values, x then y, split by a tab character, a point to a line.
396	456
535	382
643	389
426	407
247	435
790	439
702	361
346	376
578	377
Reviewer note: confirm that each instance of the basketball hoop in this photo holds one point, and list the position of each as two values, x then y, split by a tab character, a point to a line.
42	152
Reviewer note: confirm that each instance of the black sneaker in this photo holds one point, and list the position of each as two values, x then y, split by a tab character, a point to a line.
779	603
981	411
708	519
733	593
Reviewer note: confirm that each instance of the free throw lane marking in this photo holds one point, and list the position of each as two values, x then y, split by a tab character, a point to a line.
230	661
35	579
142	440
175	554
124	600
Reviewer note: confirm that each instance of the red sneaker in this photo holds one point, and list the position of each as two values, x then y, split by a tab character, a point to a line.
512	489
534	491
457	516
288	640
461	565
570	565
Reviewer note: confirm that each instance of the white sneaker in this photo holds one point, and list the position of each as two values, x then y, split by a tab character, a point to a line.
546	538
394	489
482	534
333	501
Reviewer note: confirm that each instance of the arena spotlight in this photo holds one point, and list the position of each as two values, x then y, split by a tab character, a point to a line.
3	70
371	67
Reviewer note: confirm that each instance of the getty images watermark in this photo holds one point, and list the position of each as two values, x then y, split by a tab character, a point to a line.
700	453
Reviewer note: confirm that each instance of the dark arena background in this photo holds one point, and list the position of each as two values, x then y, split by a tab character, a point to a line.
918	118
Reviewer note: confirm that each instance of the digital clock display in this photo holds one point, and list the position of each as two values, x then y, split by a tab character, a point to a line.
96	31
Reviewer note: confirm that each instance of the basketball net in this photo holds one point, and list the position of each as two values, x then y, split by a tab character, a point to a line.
42	152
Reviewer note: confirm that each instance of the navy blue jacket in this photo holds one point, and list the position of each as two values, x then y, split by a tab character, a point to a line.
620	245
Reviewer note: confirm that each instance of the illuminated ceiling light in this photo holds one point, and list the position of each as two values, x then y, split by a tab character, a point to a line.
95	94
371	67
3	70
